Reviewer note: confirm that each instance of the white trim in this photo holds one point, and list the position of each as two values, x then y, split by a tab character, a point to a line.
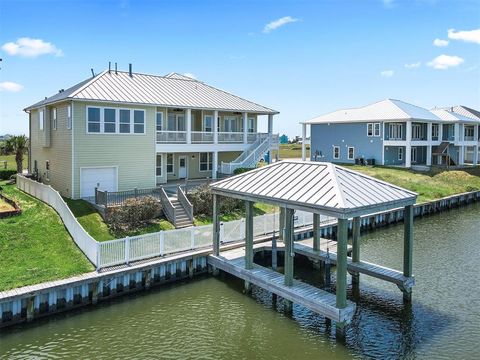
173	163
377	126
156	124
353	153
156	166
209	160
98	167
41	122
69	116
203	122
54	119
333	154
72	191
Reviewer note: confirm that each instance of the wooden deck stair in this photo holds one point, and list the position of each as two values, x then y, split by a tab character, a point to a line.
181	217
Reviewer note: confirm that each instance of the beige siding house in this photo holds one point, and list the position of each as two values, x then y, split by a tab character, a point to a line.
122	130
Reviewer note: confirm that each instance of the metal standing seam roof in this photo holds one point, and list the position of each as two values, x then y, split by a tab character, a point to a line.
317	187
173	90
450	116
389	109
465	111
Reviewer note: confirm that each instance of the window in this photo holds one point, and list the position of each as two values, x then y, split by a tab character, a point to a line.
417	132
369	129
93	120
395	131
251	125
336	152
40	119
138	121
54	118
159	121
69	117
208	123
469	132
109	121
159	165
206	161
175	122
400	153
230	123
373	129
351	153
435	130
124	121
170	164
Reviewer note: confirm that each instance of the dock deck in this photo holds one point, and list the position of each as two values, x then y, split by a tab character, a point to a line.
311	297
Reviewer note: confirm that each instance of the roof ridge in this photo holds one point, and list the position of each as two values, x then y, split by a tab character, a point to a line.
392	101
339	191
88	83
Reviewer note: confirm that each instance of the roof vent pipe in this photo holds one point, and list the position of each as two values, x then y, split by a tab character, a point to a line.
130	70
93	74
109	66
116	69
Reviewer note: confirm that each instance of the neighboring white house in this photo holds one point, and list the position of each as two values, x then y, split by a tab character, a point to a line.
123	130
393	132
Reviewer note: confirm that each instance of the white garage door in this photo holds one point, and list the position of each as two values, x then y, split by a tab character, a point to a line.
105	178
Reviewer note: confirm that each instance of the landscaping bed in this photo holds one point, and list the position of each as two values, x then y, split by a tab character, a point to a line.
35	246
8	207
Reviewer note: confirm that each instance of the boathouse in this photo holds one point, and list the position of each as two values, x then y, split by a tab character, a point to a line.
321	189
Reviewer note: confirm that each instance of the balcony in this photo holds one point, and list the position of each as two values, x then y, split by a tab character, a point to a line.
202	137
208	137
172	137
230	137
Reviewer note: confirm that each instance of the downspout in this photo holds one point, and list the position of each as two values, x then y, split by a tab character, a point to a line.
29	140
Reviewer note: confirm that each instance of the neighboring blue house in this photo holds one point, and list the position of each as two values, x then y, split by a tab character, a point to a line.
283	139
393	132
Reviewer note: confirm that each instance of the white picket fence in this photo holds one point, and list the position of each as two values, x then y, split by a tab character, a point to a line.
134	248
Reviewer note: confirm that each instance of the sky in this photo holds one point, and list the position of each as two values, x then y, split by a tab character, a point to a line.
302	58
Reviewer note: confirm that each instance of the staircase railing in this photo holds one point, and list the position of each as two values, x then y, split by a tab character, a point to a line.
168	208
182	198
250	160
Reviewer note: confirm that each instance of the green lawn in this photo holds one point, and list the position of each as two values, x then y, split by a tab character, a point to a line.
289	151
35	246
429	185
11	164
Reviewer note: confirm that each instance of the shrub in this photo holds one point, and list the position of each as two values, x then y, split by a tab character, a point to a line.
5	174
241	170
133	213
202	201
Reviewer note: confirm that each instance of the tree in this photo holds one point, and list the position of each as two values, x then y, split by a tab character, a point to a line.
18	145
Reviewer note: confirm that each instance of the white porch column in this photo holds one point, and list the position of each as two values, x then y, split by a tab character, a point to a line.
429	156
304	139
245	128
270	132
461	155
188	119
440	132
457	132
214	164
429	146
408	145
476	129
215	127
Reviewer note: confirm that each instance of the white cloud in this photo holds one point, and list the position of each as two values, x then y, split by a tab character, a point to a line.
387	73
273	25
444	62
413	65
440	42
467	36
388	3
10	86
28	47
190	75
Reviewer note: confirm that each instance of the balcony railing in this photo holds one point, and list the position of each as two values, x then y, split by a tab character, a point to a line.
469	138
202	137
176	137
230	137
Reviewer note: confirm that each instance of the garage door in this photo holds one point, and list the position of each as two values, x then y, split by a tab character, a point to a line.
105	178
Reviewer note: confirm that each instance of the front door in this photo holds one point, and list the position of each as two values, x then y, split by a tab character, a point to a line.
414	155
182	167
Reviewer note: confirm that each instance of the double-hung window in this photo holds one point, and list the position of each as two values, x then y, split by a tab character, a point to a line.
400	153
373	129
170	164
93	120
124	121
138	121
230	123
40	119
109	121
469	133
351	153
159	121
417	132
370	129
69	116
435	131
205	161
395	131
159	165
336	152
251	125
54	118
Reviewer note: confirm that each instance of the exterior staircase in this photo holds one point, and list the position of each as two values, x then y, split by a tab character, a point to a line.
442	151
251	156
177	208
182	219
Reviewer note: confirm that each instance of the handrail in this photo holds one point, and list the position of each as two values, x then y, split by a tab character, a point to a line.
167	205
251	158
185	202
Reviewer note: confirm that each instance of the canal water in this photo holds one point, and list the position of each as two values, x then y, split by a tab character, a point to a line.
210	318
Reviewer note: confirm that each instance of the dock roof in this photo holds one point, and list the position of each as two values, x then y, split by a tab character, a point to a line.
172	90
317	187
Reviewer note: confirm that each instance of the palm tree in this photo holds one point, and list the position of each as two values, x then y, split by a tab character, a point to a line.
18	144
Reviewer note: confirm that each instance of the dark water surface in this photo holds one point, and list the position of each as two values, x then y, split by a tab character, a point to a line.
210	318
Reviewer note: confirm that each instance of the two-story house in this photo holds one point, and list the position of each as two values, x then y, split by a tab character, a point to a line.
393	132
122	130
